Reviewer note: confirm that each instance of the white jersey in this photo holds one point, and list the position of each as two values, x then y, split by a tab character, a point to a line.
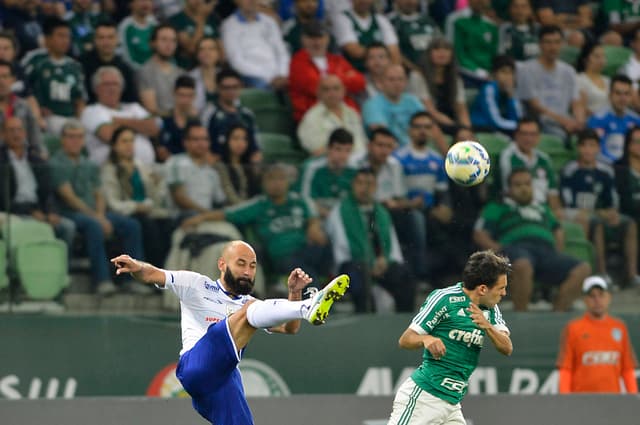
202	303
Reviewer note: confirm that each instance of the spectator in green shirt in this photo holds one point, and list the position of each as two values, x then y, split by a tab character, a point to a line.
529	234
192	24
285	224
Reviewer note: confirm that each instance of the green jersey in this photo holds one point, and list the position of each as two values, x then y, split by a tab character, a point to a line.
280	228
545	181
82	28
508	222
621	11
519	41
57	84
444	315
184	23
323	185
475	42
135	39
415	32
366	36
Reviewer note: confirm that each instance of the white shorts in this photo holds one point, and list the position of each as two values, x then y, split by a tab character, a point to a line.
414	406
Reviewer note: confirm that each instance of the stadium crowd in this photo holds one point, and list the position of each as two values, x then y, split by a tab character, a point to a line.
319	127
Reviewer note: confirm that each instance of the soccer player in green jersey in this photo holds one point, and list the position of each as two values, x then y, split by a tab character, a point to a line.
451	327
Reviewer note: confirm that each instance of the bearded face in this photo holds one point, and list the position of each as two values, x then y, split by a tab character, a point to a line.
238	285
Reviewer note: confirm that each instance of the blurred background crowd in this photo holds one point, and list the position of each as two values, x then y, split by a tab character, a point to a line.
317	129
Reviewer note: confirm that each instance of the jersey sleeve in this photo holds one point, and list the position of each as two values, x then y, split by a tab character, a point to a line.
565	354
433	310
629	359
244	213
182	283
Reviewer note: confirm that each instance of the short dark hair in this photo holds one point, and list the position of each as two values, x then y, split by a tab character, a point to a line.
419	114
383	131
549	29
587	134
620	78
162	26
191	124
376	45
52	23
503	61
227	73
526	120
515	172
484	268
364	170
105	23
340	136
184	81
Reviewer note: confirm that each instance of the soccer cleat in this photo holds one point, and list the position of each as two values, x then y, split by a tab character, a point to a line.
323	300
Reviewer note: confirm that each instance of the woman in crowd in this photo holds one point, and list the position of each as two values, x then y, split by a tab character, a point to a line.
209	57
593	86
135	189
239	177
446	99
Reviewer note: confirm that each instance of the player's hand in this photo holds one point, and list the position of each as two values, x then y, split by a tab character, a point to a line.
126	264
298	279
436	347
477	316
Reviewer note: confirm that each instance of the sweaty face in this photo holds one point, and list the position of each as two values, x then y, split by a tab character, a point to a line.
495	294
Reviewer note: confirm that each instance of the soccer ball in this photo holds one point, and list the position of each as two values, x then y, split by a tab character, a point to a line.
467	163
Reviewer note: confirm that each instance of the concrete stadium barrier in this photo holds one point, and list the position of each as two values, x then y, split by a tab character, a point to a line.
324	410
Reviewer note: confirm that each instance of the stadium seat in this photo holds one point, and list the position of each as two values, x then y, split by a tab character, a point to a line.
494	143
259	98
38	259
4	279
582	250
280	148
569	54
573	231
274	119
616	56
550	143
554	146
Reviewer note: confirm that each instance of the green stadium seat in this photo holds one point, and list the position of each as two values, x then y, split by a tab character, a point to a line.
274	119
560	159
616	56
38	259
494	143
554	146
4	279
582	250
573	231
569	54
259	98
280	148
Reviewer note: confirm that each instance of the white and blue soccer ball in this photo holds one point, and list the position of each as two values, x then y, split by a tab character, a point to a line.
467	163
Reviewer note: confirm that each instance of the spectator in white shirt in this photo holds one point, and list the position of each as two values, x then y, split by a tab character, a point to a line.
254	47
329	113
102	118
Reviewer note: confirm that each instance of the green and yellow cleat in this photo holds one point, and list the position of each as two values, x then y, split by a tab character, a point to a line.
323	300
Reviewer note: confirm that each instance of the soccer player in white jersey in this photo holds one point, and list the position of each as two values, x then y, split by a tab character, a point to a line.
218	318
451	326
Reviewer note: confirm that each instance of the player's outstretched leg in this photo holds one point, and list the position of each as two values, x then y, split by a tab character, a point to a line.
322	300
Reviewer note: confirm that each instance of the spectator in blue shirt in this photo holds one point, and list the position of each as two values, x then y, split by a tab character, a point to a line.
496	108
588	194
612	123
393	107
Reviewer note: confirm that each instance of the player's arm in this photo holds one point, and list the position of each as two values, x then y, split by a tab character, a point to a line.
412	340
139	270
499	338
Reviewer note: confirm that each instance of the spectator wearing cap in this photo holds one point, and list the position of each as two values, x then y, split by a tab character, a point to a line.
254	47
311	63
595	350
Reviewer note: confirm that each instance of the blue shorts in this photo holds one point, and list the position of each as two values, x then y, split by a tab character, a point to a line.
549	266
209	373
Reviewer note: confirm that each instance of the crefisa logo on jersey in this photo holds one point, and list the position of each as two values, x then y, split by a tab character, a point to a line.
470	338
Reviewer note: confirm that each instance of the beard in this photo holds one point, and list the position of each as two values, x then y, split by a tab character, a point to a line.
238	286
